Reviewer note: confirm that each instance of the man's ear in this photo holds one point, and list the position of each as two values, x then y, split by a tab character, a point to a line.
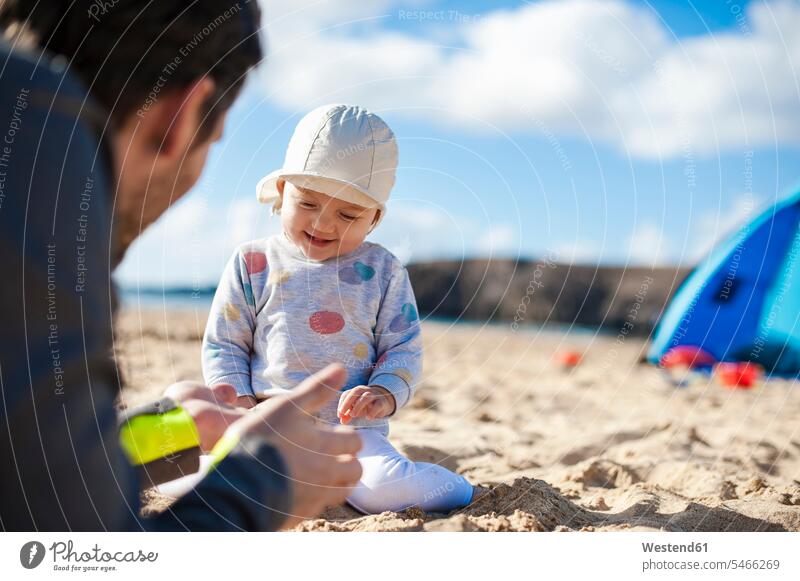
279	185
177	116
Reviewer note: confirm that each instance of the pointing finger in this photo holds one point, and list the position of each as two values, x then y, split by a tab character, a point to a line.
342	441
319	389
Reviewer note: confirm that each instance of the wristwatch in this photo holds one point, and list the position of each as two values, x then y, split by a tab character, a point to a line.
160	438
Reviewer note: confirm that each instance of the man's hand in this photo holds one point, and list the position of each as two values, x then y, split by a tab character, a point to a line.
212	409
370	402
321	459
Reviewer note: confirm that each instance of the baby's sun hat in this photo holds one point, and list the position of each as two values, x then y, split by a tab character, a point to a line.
344	151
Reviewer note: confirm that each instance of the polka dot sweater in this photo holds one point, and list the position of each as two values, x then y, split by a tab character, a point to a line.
278	317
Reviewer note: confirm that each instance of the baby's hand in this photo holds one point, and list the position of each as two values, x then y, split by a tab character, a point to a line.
370	402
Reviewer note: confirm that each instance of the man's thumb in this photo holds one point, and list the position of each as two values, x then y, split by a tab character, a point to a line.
320	388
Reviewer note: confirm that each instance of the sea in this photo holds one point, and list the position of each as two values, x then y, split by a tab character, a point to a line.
200	299
181	298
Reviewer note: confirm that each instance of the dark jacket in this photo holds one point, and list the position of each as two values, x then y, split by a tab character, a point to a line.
61	466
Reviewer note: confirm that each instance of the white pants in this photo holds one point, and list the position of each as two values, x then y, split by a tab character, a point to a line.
390	481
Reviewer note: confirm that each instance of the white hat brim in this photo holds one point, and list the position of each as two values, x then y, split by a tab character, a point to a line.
267	188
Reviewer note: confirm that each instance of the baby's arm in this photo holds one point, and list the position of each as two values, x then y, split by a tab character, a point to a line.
228	339
398	351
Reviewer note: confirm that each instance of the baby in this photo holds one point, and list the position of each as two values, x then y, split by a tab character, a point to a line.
317	293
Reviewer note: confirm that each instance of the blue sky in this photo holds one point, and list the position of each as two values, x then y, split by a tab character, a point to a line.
604	131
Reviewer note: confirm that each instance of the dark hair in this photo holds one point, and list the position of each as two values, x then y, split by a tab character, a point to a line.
127	52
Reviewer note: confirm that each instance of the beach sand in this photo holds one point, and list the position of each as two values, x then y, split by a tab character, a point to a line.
607	445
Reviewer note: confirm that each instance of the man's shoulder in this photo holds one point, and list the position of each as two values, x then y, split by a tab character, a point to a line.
33	67
46	76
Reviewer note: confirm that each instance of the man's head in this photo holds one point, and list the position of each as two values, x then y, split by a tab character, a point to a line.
166	73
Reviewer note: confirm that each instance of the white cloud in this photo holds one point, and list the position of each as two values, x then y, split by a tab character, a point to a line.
418	233
577	252
648	246
498	239
312	60
606	70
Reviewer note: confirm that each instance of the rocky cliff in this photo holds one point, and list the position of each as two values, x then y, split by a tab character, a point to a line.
542	291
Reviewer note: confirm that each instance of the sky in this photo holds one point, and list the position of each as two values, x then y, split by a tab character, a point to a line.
589	131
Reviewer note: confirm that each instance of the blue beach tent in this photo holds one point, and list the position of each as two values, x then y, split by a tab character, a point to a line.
742	303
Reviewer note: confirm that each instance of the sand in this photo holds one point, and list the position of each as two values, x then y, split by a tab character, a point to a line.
607	445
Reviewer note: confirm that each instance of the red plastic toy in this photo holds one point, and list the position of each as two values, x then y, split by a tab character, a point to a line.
738	375
686	364
568	358
687	356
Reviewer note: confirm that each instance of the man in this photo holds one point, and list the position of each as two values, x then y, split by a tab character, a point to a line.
81	175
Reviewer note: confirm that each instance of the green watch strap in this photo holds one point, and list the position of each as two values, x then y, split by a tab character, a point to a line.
156	431
223	447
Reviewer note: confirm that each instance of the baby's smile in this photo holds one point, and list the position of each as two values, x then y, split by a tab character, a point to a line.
318	241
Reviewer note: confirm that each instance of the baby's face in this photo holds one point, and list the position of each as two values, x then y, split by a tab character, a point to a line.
322	226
